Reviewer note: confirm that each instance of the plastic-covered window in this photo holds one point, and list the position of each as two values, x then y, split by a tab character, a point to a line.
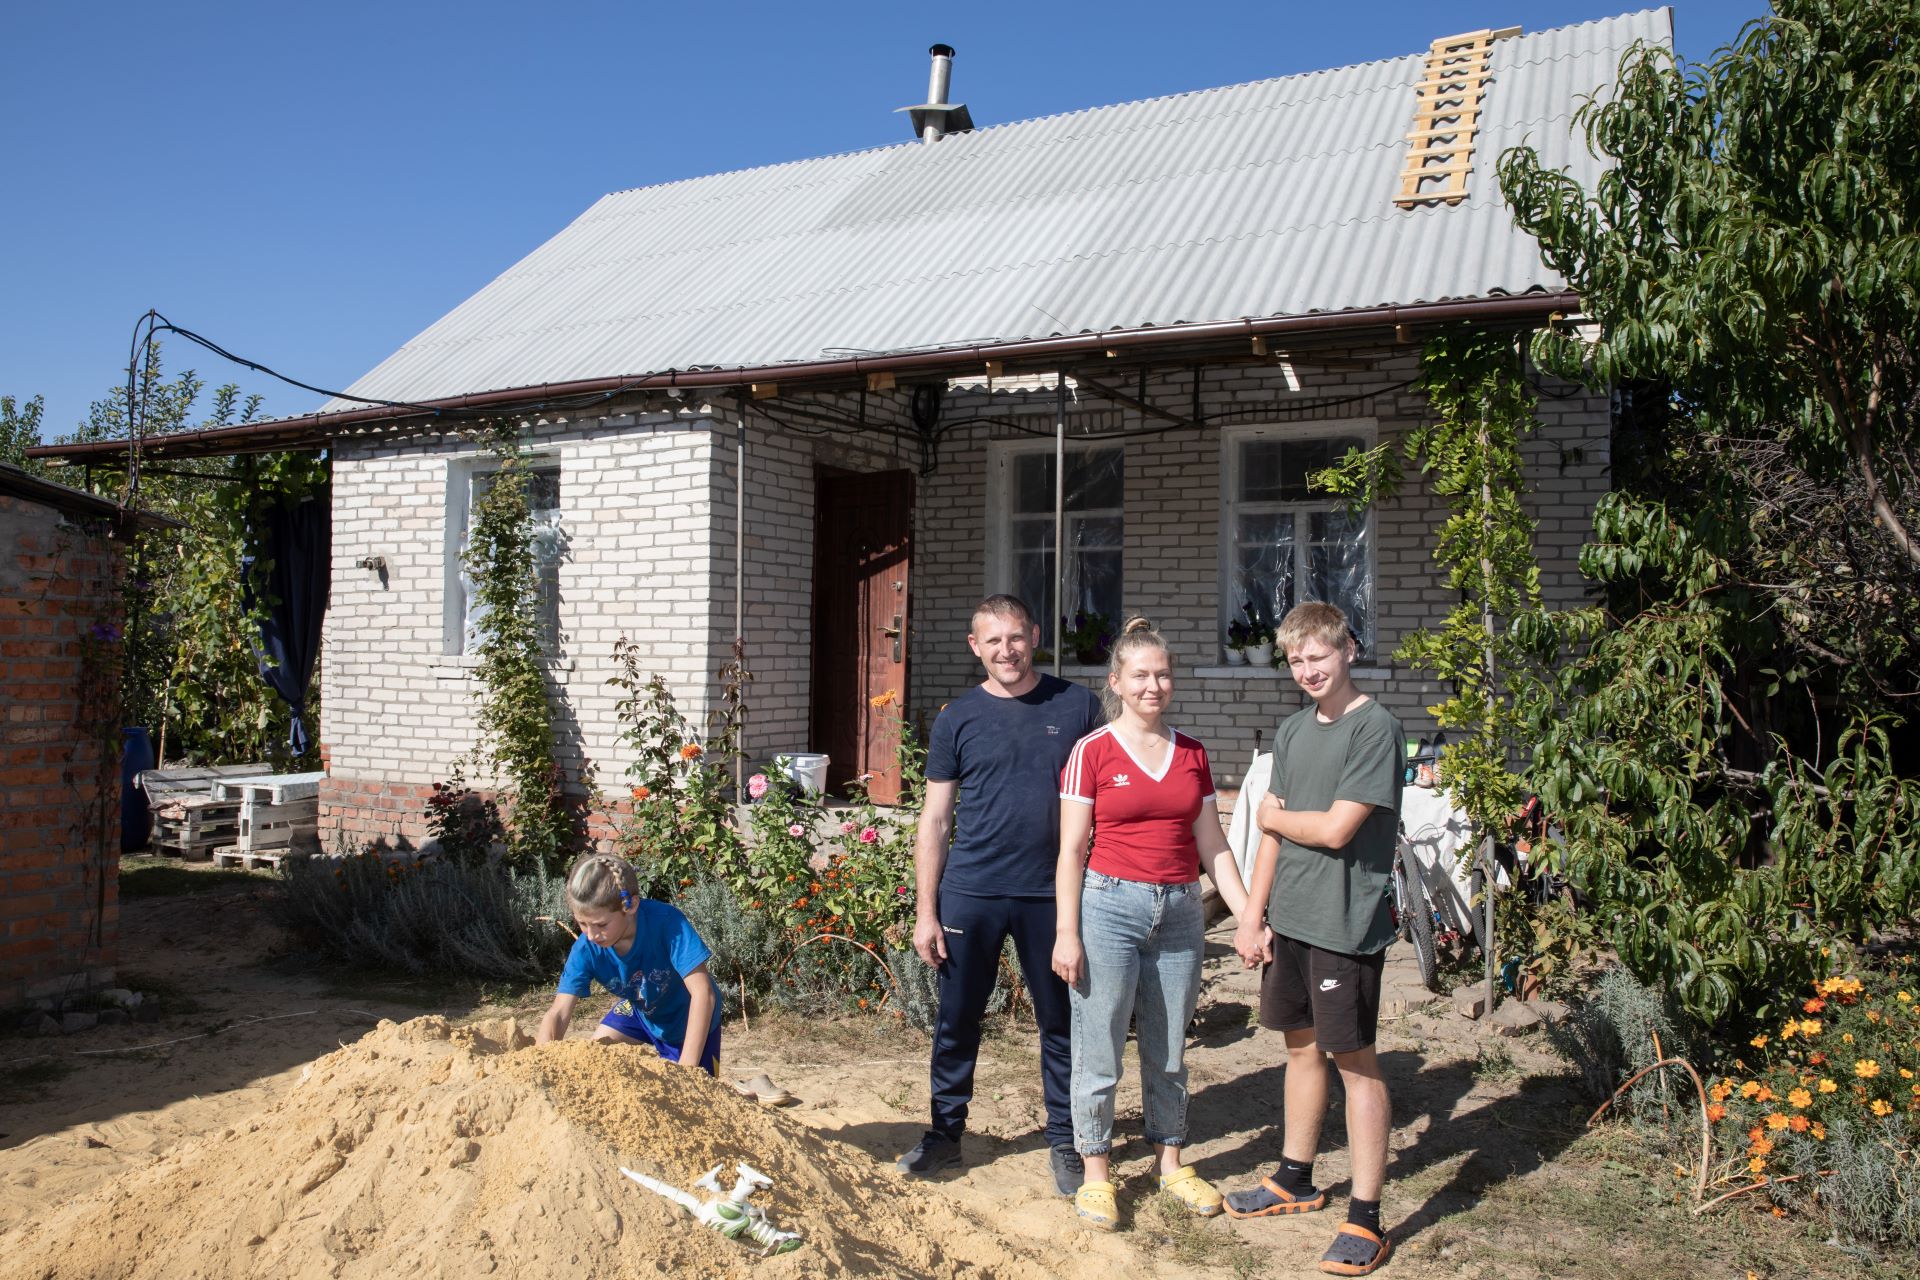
1095	523
1287	544
549	548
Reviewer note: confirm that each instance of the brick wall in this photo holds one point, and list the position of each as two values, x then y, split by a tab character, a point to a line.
647	499
1173	528
59	767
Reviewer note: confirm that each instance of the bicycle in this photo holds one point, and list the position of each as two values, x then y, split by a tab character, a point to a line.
1424	921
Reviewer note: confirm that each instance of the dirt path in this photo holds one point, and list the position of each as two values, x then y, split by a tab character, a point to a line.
1491	1174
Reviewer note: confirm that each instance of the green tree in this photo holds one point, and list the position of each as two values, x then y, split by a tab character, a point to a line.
1751	265
514	715
191	671
20	431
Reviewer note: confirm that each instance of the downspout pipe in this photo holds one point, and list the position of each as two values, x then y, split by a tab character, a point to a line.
264	436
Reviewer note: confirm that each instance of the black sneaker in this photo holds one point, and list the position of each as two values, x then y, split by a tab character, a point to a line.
1069	1170
935	1152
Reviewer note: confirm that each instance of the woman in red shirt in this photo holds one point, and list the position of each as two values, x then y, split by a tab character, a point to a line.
1131	929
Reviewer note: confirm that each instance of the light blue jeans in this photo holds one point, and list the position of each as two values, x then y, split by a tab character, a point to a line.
1143	945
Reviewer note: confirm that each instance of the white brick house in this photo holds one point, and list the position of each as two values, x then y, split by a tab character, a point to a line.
1225	278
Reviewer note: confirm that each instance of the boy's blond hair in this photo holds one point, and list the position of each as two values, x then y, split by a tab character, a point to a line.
1314	620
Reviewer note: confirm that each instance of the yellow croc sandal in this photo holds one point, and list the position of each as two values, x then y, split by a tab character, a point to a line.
1094	1202
1192	1190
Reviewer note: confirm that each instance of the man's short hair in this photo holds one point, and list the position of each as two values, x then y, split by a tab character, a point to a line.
1314	620
1005	606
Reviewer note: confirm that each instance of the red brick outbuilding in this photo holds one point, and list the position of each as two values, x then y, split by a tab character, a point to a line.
62	573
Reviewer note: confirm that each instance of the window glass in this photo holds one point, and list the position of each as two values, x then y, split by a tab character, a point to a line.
1094	533
549	543
1289	544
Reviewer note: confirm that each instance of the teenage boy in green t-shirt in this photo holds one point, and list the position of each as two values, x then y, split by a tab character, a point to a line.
1331	824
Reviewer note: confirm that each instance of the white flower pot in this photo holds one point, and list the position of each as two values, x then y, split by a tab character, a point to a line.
1236	658
1260	655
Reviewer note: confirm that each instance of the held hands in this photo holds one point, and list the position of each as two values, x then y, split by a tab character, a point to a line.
930	941
1069	958
1253	941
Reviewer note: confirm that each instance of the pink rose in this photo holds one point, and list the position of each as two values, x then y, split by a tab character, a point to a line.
846	828
868	835
757	785
796	830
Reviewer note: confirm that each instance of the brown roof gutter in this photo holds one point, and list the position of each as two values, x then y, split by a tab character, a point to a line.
315	429
16	483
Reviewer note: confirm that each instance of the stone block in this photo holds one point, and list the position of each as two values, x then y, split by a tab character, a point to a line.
1470	1001
78	1020
1515	1018
1551	1012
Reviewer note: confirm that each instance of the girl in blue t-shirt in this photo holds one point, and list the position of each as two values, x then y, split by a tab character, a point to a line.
647	954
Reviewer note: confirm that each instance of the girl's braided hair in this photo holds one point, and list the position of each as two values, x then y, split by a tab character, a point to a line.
602	882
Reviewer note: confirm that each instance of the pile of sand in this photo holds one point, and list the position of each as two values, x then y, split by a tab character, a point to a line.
425	1151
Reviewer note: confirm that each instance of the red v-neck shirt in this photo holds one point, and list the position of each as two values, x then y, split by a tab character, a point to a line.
1142	822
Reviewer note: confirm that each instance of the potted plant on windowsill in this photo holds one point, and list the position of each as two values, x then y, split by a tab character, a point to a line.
1260	649
1239	636
1089	640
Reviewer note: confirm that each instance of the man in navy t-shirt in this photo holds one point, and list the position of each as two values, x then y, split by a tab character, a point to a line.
984	860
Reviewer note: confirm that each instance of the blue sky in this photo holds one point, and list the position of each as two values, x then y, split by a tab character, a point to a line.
310	186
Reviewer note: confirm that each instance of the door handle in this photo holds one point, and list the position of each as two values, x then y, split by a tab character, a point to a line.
895	631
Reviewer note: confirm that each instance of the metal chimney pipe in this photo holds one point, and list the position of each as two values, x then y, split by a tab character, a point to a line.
939	80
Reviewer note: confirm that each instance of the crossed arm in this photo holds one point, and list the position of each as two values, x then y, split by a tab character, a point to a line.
1329	829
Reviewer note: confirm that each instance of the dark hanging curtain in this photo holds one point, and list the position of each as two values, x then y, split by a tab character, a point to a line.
294	540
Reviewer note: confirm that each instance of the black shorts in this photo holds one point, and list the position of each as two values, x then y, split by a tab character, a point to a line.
1337	995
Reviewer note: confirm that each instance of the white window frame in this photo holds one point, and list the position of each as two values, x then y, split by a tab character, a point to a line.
1231	440
461	475
1001	455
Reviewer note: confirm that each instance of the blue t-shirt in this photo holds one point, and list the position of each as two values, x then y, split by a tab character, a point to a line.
649	979
1006	754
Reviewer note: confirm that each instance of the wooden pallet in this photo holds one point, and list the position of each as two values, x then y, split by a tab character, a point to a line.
253	859
1446	118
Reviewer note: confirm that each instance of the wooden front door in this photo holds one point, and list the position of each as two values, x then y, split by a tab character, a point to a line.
863	529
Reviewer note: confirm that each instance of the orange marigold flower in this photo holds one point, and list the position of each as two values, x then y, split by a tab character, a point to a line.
1814	1005
1756	1164
1716	1113
1799	1098
886	699
1765	1094
1866	1068
1847	1037
1798	1124
1776	1121
1759	1041
1750	1088
1873	1015
1756	1134
1811	1026
1763	1147
1818	1057
1827	1086
1905	1074
641	793
1819	1131
691	751
1721	1090
1881	1107
1903	997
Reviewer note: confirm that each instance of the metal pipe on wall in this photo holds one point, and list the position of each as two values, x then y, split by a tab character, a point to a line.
739	575
1059	510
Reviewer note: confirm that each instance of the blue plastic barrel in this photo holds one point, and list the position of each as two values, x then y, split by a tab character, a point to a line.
136	755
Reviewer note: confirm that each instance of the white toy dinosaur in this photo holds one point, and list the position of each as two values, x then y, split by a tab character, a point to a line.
730	1213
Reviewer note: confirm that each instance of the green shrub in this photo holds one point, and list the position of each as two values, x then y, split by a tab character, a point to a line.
916	986
1871	1188
743	943
428	916
1611	1034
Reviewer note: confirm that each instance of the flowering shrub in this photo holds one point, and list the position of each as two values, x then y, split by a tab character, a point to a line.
1848	1054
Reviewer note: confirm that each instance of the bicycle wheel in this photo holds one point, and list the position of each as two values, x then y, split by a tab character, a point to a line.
1416	919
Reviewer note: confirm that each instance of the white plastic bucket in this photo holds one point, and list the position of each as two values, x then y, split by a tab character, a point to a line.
808	771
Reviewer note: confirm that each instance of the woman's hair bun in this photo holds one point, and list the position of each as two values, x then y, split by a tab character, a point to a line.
1137	622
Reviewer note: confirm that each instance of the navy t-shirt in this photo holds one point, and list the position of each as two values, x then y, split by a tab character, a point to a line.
1006	754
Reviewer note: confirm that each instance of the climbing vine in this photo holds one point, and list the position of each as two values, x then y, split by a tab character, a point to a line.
515	718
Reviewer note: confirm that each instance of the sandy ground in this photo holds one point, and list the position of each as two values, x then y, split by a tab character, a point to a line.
1489	1175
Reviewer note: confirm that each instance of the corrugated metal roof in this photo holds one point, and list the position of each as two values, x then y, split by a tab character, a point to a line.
1262	199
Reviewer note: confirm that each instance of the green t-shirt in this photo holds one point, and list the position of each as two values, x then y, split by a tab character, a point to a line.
1336	899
